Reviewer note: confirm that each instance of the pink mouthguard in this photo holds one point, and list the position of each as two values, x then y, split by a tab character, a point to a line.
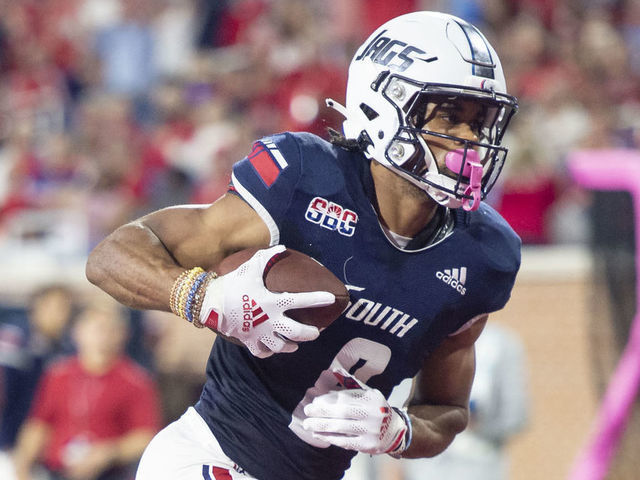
472	169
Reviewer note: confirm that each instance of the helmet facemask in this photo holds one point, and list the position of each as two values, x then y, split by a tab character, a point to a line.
468	172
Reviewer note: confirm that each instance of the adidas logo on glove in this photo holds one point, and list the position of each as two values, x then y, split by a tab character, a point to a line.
252	314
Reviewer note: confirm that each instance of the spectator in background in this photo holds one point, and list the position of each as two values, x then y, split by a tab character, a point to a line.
29	341
126	53
95	412
180	355
123	164
173	27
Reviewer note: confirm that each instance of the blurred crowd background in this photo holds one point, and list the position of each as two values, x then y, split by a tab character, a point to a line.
111	108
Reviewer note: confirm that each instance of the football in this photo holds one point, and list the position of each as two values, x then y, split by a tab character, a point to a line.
294	272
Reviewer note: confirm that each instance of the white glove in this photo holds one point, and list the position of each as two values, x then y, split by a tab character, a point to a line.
239	305
358	418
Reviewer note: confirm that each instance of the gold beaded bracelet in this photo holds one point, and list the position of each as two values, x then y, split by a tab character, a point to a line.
188	292
181	295
180	291
185	288
175	290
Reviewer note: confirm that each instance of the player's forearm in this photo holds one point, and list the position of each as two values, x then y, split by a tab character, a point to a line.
30	443
434	428
133	266
129	448
22	468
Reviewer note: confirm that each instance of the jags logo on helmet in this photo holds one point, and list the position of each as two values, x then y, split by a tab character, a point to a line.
381	50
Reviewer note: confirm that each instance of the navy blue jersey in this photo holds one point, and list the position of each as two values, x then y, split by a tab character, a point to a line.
316	198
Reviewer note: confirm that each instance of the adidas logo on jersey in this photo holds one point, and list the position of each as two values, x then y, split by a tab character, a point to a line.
455	278
252	314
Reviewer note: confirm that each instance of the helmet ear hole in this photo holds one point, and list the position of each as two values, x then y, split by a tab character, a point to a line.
368	111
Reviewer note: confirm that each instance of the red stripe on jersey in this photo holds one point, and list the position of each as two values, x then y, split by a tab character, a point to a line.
220	473
264	165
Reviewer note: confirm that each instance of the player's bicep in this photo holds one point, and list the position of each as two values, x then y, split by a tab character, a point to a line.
203	235
447	374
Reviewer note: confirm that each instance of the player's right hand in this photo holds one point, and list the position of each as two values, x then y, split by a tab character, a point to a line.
239	305
357	417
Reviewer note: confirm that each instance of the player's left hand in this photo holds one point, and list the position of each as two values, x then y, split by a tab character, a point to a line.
358	418
229	296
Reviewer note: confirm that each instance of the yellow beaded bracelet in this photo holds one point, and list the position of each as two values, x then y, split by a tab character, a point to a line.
175	290
184	291
180	291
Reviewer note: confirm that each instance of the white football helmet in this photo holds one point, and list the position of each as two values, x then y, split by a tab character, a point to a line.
408	62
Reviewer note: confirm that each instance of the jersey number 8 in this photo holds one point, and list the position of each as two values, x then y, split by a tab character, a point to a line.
373	358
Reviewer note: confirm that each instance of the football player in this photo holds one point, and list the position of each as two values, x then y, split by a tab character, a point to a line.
394	206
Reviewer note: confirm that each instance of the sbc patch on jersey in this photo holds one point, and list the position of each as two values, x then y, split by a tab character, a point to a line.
267	161
331	216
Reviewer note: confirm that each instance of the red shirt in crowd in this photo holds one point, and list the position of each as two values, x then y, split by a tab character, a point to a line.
82	408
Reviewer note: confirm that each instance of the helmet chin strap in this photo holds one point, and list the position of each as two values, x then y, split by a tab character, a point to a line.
471	169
